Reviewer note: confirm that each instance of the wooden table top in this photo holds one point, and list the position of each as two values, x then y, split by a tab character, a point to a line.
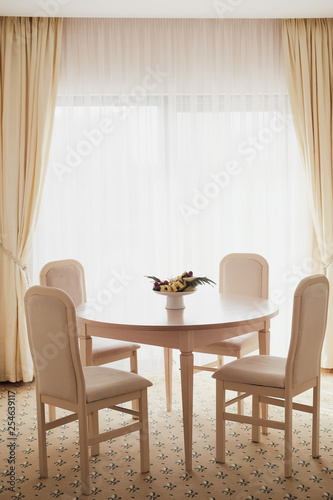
204	309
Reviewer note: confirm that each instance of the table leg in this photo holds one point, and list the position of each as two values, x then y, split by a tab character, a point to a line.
86	350
264	348
186	367
168	377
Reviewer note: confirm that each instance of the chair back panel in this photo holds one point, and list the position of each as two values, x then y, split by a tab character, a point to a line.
308	329
244	274
67	277
49	339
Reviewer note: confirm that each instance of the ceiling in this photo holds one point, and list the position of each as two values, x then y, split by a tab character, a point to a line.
169	9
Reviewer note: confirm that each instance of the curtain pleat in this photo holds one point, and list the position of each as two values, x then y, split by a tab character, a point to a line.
308	50
29	64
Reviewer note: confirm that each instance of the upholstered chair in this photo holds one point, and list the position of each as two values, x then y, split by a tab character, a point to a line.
276	380
241	274
62	382
69	275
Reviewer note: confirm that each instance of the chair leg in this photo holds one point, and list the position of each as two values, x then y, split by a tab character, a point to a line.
94	431
84	459
288	437
144	432
315	421
52	413
168	377
41	438
264	414
134	369
220	422
240	404
134	361
255	414
264	339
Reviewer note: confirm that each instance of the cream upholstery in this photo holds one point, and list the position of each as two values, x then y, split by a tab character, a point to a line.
103	382
66	277
50	349
256	370
241	274
105	348
61	381
247	342
308	351
274	380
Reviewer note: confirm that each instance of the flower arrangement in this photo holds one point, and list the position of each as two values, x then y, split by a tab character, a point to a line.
186	282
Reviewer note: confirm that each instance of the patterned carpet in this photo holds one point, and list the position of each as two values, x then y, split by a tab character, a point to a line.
253	471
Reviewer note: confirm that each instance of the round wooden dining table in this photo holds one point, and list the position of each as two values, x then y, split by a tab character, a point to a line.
207	318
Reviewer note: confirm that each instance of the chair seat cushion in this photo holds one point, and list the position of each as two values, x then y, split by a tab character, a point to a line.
103	382
268	371
248	342
102	348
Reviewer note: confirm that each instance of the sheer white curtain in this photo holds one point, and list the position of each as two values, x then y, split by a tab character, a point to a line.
173	145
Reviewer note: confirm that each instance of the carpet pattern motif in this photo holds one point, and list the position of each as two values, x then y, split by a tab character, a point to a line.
252	471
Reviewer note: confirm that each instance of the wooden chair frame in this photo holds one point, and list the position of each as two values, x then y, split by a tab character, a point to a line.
85	413
274	396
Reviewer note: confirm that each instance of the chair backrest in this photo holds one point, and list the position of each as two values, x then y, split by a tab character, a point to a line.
53	340
67	275
244	274
308	329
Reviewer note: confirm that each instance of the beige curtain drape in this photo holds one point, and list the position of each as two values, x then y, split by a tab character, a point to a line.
308	52
29	64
